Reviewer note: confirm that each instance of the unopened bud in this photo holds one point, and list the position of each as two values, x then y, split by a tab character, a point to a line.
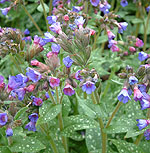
122	75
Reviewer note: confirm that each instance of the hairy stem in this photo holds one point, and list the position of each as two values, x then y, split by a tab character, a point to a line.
50	7
145	31
101	124
137	141
45	15
51	141
26	11
113	114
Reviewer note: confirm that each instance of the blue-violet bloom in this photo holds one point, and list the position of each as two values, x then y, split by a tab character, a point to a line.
88	87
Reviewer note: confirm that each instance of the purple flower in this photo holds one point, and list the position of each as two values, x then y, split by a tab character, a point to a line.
148	8
147	134
95	2
79	21
55	2
37	101
111	43
78	76
47	95
55	48
3	1
73	26
105	7
33	117
142	56
68	90
137	94
17	81
1	79
76	9
54	82
124	3
142	87
26	32
133	80
124	96
33	75
88	87
56	28
123	26
139	42
110	35
3	119
142	123
52	19
31	126
9	132
129	91
67	61
49	37
115	48
144	104
5	10
20	92
27	39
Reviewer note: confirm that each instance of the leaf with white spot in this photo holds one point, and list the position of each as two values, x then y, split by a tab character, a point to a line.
93	139
26	144
125	147
48	113
4	149
77	122
66	106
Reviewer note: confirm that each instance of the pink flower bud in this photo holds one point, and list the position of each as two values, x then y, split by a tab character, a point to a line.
30	88
66	17
35	62
132	49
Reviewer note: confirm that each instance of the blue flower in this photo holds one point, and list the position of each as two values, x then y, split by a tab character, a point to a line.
56	28
88	87
37	101
105	7
147	134
144	104
48	37
33	117
79	21
142	87
9	132
124	96
20	92
67	61
55	48
5	10
148	8
142	123
26	32
3	119
76	9
95	2
52	19
31	126
133	80
33	75
123	26
124	3
142	56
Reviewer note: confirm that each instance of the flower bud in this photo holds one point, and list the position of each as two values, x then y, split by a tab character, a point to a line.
122	75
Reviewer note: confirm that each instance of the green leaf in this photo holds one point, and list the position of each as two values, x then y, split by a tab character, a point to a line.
78	122
116	82
48	112
40	8
145	146
20	113
9	102
93	139
126	147
4	149
136	21
66	106
27	144
102	39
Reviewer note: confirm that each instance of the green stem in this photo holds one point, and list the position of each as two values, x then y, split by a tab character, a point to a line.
26	11
52	143
61	125
96	96
51	96
113	114
50	7
137	141
108	82
145	31
101	124
45	15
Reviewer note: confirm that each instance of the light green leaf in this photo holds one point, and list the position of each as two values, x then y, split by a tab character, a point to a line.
102	39
48	113
20	113
4	149
125	147
27	144
40	8
93	139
